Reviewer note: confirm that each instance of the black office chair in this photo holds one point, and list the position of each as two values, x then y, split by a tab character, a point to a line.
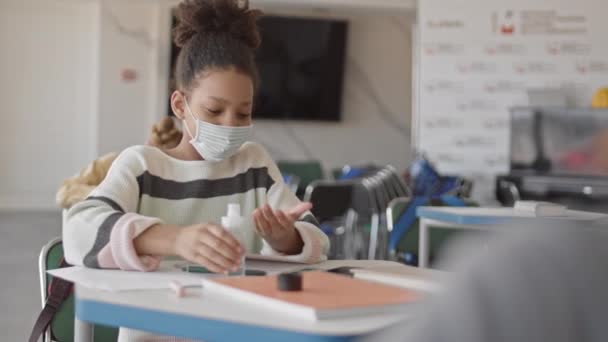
365	234
330	199
332	206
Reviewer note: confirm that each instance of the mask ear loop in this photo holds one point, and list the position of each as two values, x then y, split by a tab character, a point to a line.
192	116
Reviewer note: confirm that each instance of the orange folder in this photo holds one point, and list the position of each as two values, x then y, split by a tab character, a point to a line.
323	296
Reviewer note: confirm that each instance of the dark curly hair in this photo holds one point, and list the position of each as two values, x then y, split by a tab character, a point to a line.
215	34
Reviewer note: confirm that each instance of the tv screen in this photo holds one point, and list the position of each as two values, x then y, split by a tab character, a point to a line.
301	64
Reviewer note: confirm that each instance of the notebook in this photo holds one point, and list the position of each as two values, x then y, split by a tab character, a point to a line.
323	296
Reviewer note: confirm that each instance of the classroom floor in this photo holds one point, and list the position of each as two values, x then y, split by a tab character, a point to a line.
22	235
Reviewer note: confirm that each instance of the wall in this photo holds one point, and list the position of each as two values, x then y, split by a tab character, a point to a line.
376	99
376	102
128	43
377	91
66	100
48	97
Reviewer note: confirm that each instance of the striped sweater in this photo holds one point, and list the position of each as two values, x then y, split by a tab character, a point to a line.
145	187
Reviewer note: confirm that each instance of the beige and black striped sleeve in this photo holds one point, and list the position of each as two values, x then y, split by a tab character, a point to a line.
99	231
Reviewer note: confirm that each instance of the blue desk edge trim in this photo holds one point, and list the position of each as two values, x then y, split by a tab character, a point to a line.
471	219
185	326
430	213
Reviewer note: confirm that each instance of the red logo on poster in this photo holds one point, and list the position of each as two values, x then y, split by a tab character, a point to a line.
504	23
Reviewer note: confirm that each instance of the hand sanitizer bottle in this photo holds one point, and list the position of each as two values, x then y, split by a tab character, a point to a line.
234	223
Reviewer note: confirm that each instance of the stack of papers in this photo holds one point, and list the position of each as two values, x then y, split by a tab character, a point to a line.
541	208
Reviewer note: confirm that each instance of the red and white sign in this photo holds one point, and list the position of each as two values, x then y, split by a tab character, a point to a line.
478	59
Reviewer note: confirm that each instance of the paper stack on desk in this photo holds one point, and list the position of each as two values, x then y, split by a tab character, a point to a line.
541	208
409	277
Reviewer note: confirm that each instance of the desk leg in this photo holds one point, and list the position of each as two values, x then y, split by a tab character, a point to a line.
83	331
423	245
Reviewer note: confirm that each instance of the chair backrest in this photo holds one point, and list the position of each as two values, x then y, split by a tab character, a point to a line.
292	182
350	201
395	210
330	199
397	182
336	173
383	192
62	326
369	196
390	188
351	172
408	243
306	171
384	185
373	190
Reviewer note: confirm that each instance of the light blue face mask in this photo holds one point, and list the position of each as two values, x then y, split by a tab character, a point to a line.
214	142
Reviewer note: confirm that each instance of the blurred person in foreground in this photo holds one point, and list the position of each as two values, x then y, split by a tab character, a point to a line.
545	283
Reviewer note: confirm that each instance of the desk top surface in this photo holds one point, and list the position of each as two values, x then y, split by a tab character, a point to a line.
480	216
199	316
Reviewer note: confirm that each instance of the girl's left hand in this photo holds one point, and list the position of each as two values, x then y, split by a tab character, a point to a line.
277	227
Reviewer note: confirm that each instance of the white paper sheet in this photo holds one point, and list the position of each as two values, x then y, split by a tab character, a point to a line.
272	267
404	276
117	280
275	258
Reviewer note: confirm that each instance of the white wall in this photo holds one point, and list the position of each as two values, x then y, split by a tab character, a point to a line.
65	102
48	96
127	109
376	102
377	91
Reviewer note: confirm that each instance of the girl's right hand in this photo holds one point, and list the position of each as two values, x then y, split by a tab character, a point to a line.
209	245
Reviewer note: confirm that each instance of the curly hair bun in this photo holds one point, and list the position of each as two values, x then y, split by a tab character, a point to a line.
204	18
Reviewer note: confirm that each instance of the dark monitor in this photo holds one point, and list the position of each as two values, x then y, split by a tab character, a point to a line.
301	63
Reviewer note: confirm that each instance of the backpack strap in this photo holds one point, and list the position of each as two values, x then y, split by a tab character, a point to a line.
59	291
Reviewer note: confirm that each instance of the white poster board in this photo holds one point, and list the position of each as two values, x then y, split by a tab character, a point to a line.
477	58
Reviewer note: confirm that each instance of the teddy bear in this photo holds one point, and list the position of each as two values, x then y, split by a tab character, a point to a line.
164	135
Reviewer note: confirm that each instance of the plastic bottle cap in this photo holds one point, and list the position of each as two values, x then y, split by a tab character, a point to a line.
289	282
234	210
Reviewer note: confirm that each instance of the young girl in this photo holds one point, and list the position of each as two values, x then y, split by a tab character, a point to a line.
156	203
